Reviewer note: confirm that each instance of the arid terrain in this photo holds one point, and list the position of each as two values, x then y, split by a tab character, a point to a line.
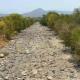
36	53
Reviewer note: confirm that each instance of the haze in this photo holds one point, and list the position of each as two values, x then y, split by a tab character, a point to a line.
22	6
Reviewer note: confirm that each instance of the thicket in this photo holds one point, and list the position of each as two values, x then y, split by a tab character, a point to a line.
13	24
67	26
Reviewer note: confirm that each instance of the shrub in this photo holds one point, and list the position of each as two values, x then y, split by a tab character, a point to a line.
67	27
52	18
75	42
43	20
2	29
14	23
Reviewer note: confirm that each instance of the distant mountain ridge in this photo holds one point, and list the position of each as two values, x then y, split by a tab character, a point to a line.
64	12
40	12
1	15
36	13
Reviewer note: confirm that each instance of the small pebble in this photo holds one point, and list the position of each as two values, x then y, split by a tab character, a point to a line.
24	73
27	51
34	71
1	79
2	55
7	77
49	77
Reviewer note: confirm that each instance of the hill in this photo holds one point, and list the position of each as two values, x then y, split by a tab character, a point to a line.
2	15
36	13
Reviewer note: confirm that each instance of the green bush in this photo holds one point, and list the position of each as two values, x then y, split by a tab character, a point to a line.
2	29
14	23
43	20
75	38
67	27
75	42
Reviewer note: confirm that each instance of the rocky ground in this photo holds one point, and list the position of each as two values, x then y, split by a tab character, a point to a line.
36	54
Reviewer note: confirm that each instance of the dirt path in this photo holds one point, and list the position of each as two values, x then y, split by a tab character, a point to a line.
36	54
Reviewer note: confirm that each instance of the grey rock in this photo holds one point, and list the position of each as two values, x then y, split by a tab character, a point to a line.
34	71
1	79
2	55
23	73
49	77
41	58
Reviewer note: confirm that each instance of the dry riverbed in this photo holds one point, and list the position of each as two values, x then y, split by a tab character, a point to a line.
36	54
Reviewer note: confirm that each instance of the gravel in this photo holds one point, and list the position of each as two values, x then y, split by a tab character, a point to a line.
36	54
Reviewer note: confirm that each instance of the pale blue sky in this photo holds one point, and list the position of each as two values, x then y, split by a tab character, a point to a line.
22	6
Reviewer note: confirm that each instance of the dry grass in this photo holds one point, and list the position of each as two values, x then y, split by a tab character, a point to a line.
3	42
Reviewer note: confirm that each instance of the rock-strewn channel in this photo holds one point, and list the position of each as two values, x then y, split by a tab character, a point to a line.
36	54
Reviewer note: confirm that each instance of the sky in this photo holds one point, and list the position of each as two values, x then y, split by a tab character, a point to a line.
23	6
